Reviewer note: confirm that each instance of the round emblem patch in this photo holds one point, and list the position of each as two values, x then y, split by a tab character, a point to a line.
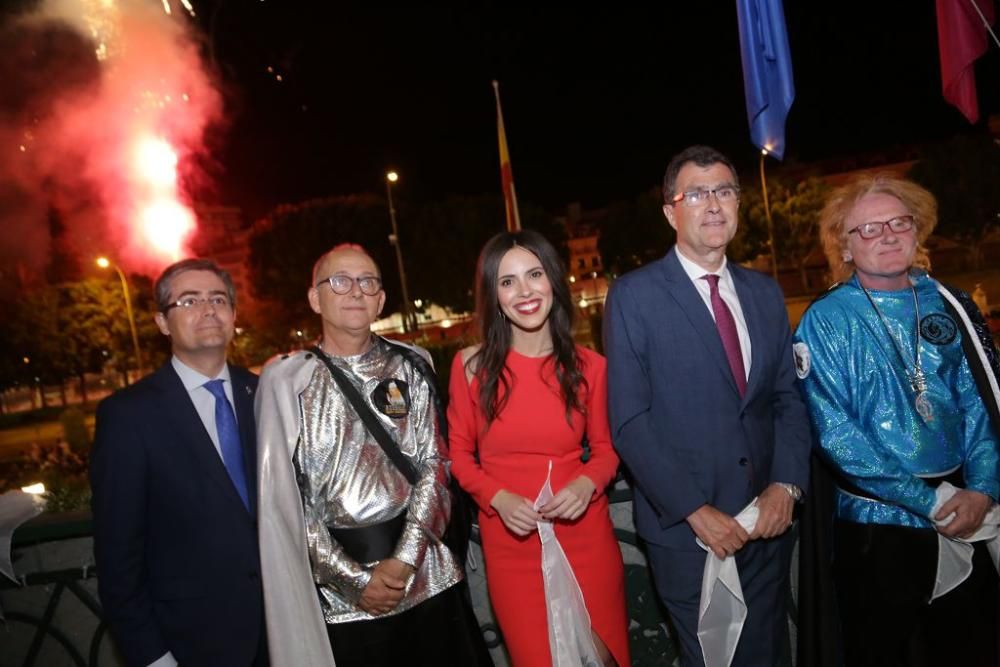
803	362
938	328
392	398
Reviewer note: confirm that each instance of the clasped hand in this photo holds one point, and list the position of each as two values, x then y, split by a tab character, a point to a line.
386	588
519	514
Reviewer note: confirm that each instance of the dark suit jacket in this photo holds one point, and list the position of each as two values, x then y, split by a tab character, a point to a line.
677	418
178	565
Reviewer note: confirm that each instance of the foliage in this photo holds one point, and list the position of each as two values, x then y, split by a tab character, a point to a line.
634	233
963	174
795	209
62	331
75	431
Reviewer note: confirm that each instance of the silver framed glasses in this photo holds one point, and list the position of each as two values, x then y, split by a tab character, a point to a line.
216	301
873	230
724	194
343	284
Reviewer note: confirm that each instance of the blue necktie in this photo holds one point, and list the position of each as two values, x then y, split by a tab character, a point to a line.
229	438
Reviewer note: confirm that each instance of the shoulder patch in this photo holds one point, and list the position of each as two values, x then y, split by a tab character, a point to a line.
803	362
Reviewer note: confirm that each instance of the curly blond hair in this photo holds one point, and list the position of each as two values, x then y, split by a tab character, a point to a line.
917	200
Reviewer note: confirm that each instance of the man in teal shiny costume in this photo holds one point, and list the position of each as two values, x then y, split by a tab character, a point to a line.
901	385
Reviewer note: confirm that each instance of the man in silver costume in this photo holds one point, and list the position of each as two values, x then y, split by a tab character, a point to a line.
324	473
900	377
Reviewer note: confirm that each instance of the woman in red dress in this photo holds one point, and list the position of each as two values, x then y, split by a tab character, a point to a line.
527	396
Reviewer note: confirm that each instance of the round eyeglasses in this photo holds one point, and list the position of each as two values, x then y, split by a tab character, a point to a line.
343	284
873	230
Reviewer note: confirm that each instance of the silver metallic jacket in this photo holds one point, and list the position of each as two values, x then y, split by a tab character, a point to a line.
347	482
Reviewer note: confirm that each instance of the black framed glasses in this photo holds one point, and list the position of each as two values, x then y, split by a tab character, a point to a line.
343	284
873	230
216	301
723	193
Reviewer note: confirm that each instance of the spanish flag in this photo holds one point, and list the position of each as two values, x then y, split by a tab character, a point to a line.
506	173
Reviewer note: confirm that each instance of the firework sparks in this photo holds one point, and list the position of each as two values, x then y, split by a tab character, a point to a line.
131	137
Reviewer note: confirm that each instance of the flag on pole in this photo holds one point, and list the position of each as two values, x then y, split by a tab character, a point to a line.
767	71
506	173
961	40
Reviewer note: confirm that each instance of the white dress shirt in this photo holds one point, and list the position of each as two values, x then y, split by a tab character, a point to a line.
727	290
203	399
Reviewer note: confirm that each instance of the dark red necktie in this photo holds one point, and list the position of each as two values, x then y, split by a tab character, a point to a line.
726	325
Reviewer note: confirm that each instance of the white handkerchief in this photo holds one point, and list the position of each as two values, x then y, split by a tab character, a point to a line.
570	641
955	555
723	610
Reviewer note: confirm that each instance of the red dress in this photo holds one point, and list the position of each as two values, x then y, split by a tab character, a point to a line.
514	454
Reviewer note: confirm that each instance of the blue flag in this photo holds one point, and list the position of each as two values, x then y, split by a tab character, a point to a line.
767	71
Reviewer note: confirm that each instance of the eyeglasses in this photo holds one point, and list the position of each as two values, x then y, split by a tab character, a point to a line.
216	301
873	230
342	284
724	194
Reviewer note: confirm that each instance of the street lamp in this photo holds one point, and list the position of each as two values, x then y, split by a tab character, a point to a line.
767	214
408	320
104	263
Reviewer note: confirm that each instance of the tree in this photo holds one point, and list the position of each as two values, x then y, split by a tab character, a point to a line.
795	210
963	174
65	331
634	233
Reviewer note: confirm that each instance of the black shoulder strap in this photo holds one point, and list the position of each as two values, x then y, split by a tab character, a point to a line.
371	422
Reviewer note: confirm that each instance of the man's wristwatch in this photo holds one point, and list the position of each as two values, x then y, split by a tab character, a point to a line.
794	491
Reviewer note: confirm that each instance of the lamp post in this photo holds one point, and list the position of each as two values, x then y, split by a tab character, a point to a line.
408	321
104	263
767	214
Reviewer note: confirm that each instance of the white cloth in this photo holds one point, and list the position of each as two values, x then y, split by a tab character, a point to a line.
723	610
203	399
296	631
955	554
16	507
570	641
727	290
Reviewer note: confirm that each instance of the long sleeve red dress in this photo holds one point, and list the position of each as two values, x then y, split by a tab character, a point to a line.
514	454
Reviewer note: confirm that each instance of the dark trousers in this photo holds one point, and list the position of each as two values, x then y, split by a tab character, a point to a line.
763	566
437	632
884	577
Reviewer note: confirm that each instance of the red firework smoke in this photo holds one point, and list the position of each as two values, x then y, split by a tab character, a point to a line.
129	137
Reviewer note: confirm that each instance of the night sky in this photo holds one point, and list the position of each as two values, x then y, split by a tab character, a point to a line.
595	101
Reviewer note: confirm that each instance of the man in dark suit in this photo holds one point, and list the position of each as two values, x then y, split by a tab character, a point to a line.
705	412
173	473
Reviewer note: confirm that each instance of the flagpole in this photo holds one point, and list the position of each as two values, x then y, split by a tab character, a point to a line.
506	172
986	23
767	214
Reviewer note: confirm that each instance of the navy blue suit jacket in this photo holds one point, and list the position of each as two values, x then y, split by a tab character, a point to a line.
177	557
677	418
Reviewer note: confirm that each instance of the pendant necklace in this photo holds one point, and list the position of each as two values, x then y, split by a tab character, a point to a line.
917	378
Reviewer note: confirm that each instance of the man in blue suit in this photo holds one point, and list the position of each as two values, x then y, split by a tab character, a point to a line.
173	473
705	412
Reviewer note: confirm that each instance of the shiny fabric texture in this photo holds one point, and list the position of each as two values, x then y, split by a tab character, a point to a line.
862	405
296	623
347	481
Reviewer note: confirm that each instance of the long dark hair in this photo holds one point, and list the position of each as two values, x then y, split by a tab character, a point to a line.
489	363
